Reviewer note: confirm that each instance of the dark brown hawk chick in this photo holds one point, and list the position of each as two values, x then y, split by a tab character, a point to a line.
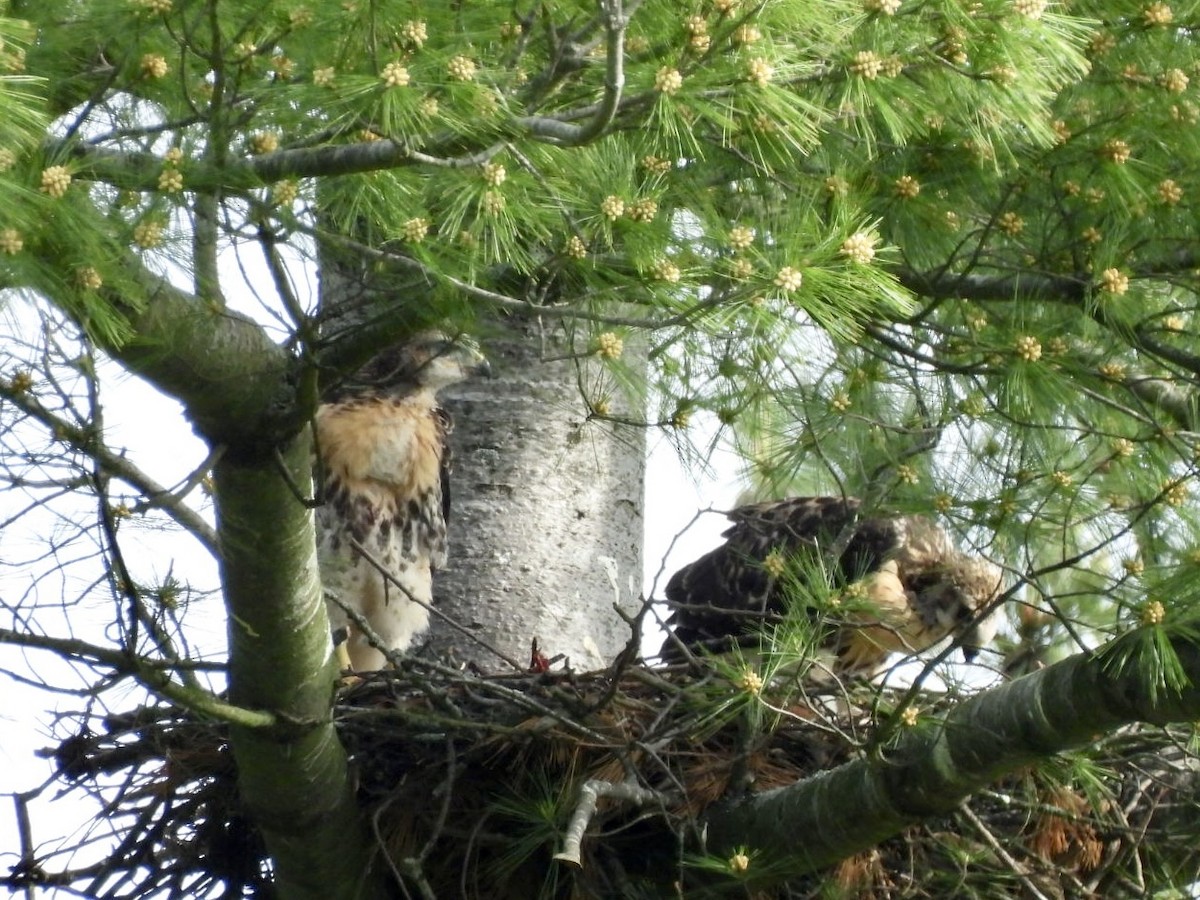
381	436
918	587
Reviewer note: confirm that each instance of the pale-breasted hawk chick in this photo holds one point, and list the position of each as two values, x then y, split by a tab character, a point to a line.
917	587
381	438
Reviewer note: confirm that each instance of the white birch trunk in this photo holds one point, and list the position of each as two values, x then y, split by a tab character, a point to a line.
546	516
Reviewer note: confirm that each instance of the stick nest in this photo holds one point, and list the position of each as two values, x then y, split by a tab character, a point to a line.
472	786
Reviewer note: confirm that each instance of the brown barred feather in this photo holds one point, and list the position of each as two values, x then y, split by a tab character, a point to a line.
919	587
384	459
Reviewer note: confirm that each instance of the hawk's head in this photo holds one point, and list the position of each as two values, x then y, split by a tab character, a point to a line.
983	583
427	361
960	591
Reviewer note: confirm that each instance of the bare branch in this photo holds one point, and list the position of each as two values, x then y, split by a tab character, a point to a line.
116	465
150	674
590	793
929	770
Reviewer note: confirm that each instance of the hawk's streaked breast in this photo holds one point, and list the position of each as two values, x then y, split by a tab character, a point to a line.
383	458
383	474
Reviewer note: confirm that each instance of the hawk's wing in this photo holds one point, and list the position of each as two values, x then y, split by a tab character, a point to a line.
913	586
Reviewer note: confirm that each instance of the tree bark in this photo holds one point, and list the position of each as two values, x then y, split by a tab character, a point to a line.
237	385
932	768
295	779
239	389
546	519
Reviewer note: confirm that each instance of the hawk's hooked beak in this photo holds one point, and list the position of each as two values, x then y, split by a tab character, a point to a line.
470	358
979	635
481	369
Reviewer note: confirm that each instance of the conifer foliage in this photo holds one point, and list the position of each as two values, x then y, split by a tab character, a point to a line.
937	254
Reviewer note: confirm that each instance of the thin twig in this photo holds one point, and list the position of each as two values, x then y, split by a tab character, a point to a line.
447	789
998	849
151	674
449	620
115	465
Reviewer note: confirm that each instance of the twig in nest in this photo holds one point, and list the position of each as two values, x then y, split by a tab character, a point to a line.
589	794
992	841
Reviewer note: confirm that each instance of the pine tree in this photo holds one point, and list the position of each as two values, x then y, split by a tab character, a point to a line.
940	255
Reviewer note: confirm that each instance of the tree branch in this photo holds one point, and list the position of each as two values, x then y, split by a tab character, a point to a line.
931	769
237	384
615	23
1025	285
1012	286
151	675
295	781
1180	404
590	793
114	464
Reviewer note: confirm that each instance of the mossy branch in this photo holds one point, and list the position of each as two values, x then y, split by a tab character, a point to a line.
930	770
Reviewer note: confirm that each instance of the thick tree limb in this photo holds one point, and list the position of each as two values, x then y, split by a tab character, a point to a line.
1179	403
930	770
237	385
132	170
295	780
1025	285
242	391
945	284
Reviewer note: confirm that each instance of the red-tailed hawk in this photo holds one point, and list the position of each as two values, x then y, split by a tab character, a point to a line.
916	586
381	437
